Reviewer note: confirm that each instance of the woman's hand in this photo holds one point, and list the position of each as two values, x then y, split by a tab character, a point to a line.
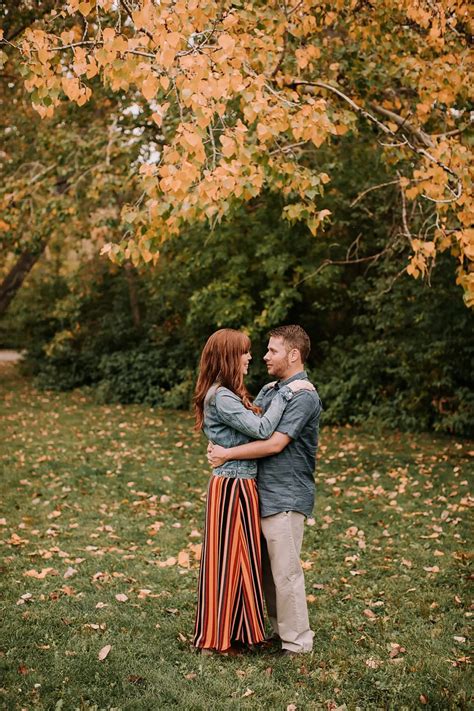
296	385
216	455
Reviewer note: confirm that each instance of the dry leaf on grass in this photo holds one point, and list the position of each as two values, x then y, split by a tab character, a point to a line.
104	652
372	663
40	575
183	559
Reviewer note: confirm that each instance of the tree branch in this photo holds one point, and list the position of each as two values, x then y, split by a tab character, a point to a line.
402	123
369	190
405	127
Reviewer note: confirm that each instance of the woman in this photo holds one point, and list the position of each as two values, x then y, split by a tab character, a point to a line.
230	600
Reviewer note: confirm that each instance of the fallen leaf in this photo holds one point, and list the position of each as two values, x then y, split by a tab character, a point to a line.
396	649
95	626
144	592
69	572
40	575
371	615
190	676
135	679
121	597
104	652
423	699
154	528
372	663
247	692
167	563
183	559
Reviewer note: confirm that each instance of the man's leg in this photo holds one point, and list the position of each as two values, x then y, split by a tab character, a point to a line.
269	587
283	534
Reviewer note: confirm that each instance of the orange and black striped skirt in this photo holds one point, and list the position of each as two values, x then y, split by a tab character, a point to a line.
230	598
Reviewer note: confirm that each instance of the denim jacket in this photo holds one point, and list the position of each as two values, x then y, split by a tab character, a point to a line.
228	423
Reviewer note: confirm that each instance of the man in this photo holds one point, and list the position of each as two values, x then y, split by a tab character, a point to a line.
286	487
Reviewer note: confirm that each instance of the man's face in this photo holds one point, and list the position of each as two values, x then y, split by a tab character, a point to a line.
277	358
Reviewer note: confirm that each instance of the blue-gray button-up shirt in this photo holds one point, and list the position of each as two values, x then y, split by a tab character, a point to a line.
229	423
286	480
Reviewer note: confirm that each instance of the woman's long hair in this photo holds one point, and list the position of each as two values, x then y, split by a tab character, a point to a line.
221	363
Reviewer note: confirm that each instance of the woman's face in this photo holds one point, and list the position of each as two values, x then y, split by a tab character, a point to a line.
245	359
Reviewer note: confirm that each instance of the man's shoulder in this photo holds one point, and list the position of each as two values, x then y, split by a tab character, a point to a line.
305	398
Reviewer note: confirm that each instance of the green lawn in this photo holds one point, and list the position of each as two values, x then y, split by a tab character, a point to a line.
100	501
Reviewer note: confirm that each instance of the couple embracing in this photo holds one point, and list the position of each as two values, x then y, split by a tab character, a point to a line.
261	489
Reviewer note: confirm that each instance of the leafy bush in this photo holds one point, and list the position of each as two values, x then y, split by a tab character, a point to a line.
142	375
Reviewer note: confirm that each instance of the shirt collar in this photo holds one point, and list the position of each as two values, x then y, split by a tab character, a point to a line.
302	375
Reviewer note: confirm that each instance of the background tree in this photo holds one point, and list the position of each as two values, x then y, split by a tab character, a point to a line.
242	93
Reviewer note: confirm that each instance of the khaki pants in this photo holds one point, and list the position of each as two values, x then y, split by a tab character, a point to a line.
283	580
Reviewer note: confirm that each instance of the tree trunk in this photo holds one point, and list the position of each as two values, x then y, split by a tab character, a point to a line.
133	293
17	275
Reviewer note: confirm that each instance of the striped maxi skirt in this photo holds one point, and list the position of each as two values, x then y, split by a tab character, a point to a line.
230	598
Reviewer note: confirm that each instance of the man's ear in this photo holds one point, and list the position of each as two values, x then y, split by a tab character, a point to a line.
294	355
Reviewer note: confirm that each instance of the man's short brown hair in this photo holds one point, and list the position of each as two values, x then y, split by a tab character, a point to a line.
293	337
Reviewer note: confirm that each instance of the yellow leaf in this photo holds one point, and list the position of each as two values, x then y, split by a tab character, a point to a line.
71	87
226	43
228	146
85	8
150	87
108	34
173	39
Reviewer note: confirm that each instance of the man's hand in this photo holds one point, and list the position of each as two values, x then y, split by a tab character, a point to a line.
216	455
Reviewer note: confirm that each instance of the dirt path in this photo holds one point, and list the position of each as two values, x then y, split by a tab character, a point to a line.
9	356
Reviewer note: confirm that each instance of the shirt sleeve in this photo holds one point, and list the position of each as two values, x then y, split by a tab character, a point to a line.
297	414
233	413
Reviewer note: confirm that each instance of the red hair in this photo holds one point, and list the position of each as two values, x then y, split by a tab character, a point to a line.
221	363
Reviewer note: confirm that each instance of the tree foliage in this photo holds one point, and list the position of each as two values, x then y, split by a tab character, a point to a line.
244	95
386	348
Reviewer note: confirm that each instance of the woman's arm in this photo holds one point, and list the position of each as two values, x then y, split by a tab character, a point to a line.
232	411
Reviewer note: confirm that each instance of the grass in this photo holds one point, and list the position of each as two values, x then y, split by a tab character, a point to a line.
99	501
